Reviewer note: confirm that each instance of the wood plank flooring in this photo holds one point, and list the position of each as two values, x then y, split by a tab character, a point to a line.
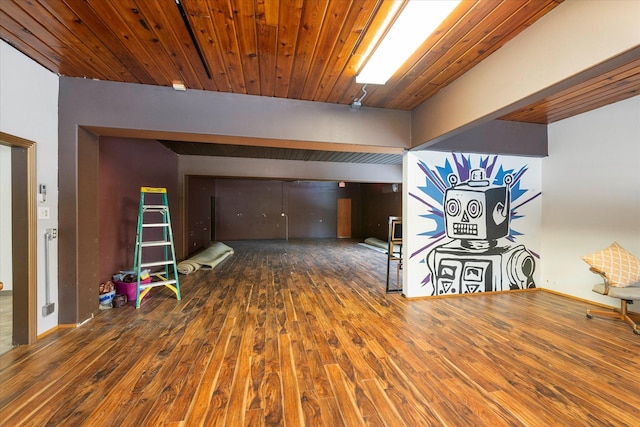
6	321
302	333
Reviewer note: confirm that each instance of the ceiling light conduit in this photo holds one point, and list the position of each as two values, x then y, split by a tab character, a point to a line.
357	102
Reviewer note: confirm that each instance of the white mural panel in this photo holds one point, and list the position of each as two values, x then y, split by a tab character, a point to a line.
472	223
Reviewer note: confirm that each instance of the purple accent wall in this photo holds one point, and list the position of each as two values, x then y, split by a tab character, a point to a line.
125	166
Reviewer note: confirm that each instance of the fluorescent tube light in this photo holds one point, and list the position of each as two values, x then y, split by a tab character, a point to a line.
416	22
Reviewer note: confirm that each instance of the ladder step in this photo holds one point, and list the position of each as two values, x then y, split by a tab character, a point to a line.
153	190
155	224
157	263
155	243
154	284
163	207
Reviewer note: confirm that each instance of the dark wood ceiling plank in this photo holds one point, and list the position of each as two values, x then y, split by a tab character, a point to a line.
285	48
584	107
454	29
280	153
222	15
545	112
267	32
480	41
141	26
164	20
200	19
466	53
540	111
357	18
69	63
21	45
125	26
333	21
247	43
613	92
463	54
346	88
82	36
311	24
104	34
288	28
498	29
627	73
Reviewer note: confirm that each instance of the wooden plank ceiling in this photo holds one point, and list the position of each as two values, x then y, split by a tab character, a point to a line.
277	48
296	49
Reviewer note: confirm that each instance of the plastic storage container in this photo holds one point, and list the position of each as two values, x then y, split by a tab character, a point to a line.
129	289
105	299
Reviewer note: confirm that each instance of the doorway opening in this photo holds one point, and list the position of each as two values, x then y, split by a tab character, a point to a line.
19	271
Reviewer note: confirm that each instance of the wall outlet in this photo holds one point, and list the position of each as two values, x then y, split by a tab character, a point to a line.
43	212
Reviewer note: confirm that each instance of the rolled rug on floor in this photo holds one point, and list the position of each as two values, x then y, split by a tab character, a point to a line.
187	267
207	259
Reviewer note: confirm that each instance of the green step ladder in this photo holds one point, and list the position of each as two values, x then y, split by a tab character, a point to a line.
151	212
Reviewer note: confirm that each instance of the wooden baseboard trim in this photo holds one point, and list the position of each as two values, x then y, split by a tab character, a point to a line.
471	295
68	326
49	332
575	298
551	291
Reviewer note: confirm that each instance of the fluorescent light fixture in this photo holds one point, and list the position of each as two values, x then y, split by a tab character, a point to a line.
177	85
417	20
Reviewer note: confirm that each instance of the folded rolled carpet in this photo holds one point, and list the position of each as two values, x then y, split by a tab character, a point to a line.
207	259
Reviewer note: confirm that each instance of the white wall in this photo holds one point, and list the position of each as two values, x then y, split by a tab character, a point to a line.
6	269
29	110
591	194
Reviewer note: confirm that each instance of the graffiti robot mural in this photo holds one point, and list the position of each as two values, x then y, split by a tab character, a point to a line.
479	253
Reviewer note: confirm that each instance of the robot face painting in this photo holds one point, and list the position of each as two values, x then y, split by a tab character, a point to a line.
475	250
475	209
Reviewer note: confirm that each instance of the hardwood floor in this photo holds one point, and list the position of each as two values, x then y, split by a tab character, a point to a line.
6	321
302	333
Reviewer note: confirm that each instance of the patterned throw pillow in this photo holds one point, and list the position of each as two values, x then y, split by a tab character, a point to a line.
621	267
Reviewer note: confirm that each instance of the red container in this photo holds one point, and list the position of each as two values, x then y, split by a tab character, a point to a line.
129	289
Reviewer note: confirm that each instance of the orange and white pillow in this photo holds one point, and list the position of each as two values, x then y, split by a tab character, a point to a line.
621	267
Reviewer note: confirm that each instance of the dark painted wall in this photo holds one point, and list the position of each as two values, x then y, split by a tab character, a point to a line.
379	202
200	191
19	245
252	209
125	166
247	209
312	209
